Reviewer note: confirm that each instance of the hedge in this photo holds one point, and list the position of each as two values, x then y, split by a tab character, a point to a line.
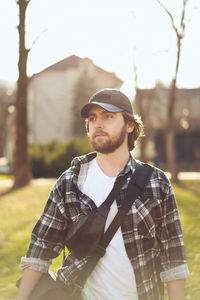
53	158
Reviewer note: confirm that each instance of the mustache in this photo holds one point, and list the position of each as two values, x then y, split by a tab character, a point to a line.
100	132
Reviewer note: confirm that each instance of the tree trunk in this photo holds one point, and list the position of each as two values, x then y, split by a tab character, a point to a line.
170	153
22	167
170	131
170	135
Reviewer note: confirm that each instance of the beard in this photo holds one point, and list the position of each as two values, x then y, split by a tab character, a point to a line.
110	144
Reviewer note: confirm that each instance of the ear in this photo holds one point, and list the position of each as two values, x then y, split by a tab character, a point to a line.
130	127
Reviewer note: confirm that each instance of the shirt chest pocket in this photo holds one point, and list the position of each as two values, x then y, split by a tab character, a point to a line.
143	223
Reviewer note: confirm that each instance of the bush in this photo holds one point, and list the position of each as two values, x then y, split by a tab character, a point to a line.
53	158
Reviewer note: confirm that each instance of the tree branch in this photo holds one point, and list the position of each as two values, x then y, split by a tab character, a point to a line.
34	42
171	17
182	24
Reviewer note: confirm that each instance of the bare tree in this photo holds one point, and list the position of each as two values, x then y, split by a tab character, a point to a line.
169	132
22	166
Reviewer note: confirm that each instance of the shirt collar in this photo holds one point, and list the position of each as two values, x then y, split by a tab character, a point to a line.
84	159
81	164
129	167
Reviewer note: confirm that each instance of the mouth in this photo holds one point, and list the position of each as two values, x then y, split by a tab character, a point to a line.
99	134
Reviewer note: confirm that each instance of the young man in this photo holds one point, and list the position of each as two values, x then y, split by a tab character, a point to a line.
146	251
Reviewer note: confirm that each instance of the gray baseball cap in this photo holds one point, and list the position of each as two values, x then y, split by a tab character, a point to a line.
112	100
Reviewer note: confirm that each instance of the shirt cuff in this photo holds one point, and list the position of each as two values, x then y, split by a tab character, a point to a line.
180	272
36	264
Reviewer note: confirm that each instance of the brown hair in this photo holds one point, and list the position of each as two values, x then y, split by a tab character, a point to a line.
137	132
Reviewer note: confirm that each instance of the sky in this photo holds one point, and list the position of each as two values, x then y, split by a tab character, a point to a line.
116	34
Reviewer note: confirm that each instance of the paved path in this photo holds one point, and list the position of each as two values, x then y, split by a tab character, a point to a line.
51	181
186	175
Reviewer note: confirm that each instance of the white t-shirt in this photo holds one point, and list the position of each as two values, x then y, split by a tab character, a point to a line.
113	277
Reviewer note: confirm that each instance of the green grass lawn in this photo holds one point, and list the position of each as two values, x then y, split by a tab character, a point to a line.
20	209
5	176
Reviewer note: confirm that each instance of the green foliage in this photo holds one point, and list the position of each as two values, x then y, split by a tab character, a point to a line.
53	158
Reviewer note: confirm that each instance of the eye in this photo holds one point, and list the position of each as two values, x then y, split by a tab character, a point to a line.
91	118
108	116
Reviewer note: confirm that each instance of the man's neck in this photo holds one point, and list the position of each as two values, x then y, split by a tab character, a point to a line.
113	163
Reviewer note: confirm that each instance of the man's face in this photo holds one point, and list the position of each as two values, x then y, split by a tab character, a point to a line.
107	131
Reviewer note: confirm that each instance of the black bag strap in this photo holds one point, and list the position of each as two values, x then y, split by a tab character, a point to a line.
120	181
135	188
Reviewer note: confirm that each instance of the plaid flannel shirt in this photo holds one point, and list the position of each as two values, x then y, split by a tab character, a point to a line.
151	230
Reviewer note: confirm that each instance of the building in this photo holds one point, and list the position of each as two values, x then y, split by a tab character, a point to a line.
56	94
153	104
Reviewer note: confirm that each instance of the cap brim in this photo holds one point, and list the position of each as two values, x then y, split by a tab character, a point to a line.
109	107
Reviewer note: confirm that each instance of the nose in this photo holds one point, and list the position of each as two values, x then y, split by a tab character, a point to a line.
98	123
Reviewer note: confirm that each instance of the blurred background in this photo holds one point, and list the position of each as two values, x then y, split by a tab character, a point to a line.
55	54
